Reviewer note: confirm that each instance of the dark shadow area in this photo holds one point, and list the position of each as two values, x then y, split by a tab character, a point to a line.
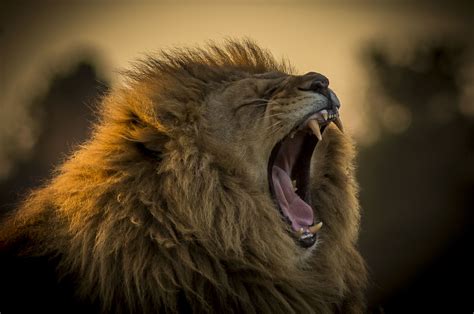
64	114
418	181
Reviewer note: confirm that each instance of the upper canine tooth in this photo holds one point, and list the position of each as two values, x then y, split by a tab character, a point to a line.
314	125
339	125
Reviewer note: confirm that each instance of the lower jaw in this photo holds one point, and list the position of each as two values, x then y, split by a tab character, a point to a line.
307	240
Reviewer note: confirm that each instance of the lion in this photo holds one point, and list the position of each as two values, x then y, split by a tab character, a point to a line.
216	180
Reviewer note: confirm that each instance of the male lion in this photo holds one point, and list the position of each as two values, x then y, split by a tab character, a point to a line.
215	181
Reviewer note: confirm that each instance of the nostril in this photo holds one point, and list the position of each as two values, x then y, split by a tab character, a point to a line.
319	85
315	82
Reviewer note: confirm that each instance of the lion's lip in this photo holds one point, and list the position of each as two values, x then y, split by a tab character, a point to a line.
289	173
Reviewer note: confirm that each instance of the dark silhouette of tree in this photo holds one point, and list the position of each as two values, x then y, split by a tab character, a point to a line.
418	181
64	114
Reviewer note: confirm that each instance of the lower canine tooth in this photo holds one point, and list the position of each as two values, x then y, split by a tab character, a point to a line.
314	125
315	228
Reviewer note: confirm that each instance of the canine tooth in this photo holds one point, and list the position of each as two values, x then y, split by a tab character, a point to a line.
294	185
314	125
339	125
315	228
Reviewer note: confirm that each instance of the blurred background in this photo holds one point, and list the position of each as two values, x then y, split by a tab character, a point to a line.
404	72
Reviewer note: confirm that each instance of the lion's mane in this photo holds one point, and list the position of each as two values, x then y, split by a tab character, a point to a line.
151	214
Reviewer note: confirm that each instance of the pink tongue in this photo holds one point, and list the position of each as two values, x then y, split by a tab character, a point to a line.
299	212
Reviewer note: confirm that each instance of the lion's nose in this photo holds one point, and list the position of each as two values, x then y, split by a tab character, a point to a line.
315	82
318	83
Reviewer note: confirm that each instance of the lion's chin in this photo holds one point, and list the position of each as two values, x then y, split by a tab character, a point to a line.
289	175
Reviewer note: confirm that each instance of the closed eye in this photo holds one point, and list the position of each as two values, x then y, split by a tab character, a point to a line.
260	103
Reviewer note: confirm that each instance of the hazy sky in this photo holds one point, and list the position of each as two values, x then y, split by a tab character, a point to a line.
39	38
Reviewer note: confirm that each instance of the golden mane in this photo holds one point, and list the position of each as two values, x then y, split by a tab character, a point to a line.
151	213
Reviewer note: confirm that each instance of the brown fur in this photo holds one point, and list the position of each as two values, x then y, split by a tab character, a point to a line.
168	202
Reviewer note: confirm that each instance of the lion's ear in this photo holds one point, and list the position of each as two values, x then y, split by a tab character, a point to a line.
150	150
147	139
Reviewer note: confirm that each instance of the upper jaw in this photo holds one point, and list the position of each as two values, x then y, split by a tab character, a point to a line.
323	108
321	113
315	121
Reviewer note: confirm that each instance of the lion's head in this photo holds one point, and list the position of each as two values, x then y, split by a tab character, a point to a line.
208	178
269	124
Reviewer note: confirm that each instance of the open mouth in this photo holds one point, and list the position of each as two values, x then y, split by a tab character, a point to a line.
289	174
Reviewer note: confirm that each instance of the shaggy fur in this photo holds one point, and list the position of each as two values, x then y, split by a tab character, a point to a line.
167	206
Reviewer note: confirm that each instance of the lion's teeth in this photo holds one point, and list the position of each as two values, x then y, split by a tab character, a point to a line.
325	115
339	125
294	185
315	228
314	125
310	231
300	232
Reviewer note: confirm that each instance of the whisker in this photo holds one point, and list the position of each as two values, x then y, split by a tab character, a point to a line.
275	114
273	125
271	115
275	131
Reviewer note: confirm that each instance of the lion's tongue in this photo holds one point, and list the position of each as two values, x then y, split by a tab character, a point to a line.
299	212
